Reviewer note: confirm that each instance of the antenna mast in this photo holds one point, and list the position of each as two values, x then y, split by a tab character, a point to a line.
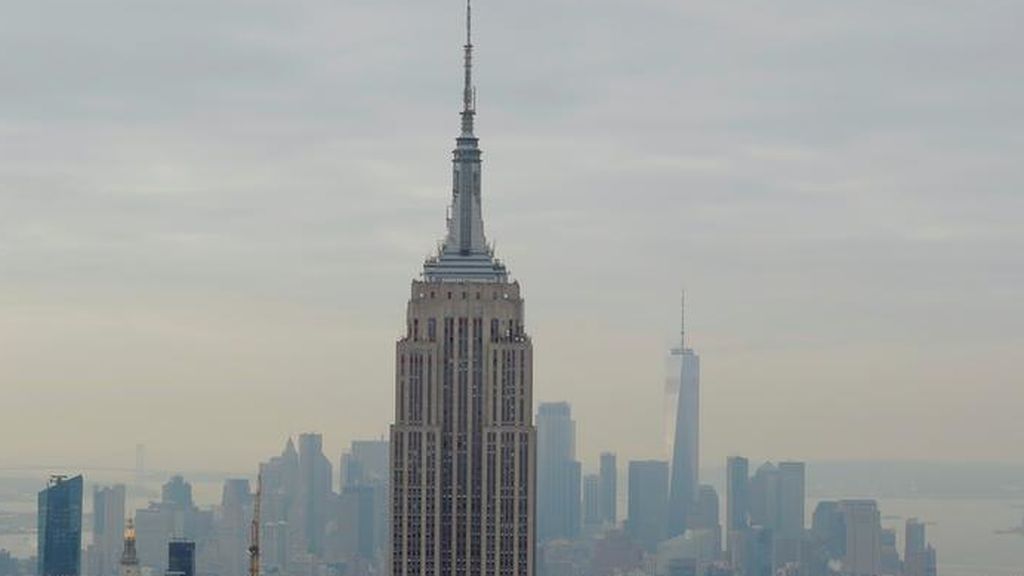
682	321
468	91
254	531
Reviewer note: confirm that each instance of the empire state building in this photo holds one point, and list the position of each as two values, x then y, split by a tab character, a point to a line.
463	440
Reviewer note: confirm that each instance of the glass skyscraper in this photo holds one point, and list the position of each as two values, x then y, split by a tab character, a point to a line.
181	558
60	527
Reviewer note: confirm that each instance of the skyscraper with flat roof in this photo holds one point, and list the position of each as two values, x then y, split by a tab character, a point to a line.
108	514
315	479
233	528
592	500
648	500
609	488
863	524
791	505
737	497
792	495
463	441
365	487
558	474
59	537
181	558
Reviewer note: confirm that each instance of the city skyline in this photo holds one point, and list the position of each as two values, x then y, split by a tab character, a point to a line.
165	309
806	251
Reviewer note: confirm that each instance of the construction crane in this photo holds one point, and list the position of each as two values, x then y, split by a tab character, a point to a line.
254	530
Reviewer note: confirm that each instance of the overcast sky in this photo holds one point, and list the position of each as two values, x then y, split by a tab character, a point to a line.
210	213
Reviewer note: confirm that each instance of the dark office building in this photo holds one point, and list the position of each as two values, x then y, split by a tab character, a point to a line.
181	558
60	527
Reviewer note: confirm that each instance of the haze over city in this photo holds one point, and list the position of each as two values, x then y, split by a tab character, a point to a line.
210	213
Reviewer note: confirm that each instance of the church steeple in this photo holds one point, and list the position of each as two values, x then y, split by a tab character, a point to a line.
465	255
129	557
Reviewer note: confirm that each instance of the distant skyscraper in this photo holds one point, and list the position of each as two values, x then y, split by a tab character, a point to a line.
705	519
315	478
181	558
108	514
789	532
177	493
648	500
918	556
60	527
357	518
791	499
366	487
764	497
175	516
737	498
609	488
129	557
233	529
274	547
686	445
592	500
366	462
280	508
890	556
863	527
914	539
558	474
828	529
930	562
706	509
463	442
760	552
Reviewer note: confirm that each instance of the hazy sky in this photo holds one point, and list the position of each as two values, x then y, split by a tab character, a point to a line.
210	213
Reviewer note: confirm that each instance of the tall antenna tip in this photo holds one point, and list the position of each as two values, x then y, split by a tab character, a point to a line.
682	319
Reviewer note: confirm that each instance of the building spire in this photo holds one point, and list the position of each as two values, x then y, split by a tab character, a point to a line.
465	256
682	321
468	91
